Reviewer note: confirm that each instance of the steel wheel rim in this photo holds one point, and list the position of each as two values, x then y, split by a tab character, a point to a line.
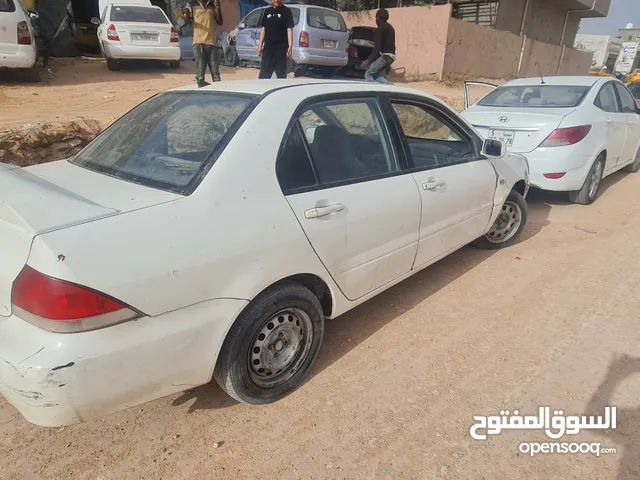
280	347
594	180
506	225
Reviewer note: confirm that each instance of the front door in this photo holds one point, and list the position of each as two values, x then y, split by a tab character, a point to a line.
456	184
248	36
342	178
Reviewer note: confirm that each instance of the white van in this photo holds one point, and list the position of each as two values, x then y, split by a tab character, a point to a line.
17	41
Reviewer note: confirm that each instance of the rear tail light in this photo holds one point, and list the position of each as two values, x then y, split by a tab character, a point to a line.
566	136
24	35
554	176
112	33
353	52
304	40
64	307
174	36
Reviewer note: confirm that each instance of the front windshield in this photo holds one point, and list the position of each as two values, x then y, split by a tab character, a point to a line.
541	96
168	140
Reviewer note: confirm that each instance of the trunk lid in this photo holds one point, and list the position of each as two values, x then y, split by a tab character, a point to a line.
53	196
10	15
522	129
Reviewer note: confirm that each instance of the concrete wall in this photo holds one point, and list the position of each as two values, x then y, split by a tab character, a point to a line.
481	52
544	20
421	38
484	52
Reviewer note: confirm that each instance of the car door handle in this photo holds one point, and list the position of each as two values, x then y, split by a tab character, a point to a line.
323	211
433	185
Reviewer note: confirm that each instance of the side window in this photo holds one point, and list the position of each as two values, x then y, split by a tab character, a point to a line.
432	142
627	101
606	99
293	167
253	19
635	90
347	141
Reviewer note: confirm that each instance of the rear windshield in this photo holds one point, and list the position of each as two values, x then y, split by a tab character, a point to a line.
543	96
325	19
137	15
7	6
167	141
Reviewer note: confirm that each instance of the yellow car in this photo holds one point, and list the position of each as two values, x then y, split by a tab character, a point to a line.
600	72
632	77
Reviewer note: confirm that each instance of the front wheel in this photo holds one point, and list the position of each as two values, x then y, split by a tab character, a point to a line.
508	225
272	345
589	191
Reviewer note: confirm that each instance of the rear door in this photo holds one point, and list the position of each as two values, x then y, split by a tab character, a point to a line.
360	211
141	26
630	111
467	92
457	185
328	33
248	36
11	14
615	123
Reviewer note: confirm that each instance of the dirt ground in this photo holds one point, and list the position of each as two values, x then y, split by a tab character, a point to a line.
398	380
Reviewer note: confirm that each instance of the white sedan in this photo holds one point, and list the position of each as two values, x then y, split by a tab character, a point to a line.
573	130
202	235
136	31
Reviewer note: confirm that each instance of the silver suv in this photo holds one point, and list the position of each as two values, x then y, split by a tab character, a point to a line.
320	37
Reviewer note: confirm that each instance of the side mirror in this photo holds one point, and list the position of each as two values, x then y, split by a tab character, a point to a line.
493	148
95	21
241	26
33	14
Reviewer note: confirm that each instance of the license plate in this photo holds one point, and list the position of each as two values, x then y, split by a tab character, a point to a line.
144	38
505	136
328	43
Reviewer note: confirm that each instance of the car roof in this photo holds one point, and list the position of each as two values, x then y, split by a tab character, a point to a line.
262	87
577	81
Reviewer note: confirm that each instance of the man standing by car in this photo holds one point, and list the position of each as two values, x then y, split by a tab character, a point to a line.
276	40
205	14
384	50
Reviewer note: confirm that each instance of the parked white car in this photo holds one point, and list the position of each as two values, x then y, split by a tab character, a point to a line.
133	30
188	242
573	130
17	40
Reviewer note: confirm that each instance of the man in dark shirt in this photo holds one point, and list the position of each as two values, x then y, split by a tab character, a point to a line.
384	50
276	40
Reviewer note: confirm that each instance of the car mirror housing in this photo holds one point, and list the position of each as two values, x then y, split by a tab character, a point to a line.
241	25
95	21
493	148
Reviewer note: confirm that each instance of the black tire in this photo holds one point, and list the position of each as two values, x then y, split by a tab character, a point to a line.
635	166
175	64
33	74
586	195
515	206
231	56
112	64
270	310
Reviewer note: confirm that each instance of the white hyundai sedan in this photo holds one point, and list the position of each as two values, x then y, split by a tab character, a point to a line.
136	31
204	236
573	130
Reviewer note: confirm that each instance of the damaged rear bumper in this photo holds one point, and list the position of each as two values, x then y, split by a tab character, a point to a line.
58	379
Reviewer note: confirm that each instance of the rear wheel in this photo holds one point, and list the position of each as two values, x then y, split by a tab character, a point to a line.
635	166
175	64
508	225
272	345
112	64
589	191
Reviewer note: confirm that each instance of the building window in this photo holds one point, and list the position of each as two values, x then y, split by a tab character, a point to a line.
481	12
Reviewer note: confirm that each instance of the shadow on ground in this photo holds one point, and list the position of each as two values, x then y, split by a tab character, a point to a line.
354	327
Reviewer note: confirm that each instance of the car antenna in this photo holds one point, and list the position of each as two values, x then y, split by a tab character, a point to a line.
540	70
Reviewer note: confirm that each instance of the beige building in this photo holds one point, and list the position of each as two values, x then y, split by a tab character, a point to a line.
550	21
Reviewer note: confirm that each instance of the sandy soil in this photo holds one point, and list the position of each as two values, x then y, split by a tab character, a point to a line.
398	380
